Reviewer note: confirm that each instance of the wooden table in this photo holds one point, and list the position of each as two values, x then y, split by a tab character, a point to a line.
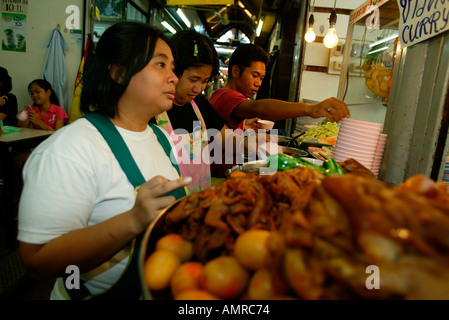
11	144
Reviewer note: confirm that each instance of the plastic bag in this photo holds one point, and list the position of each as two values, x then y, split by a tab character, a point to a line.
10	129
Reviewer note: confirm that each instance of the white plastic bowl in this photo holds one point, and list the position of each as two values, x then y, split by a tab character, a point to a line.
355	142
363	124
356	147
354	132
265	124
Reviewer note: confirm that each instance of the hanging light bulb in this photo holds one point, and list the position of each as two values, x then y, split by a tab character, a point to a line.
331	39
310	34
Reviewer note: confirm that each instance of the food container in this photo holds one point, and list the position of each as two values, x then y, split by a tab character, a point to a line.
265	124
257	167
411	272
284	140
294	152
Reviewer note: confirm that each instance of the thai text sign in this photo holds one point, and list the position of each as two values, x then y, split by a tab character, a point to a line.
420	20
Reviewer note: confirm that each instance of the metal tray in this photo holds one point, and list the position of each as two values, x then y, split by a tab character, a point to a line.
294	152
251	166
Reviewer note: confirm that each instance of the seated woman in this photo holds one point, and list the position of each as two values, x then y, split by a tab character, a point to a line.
45	113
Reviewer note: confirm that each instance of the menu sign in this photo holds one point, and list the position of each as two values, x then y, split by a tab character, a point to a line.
422	19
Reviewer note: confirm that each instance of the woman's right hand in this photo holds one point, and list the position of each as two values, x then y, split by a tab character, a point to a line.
151	199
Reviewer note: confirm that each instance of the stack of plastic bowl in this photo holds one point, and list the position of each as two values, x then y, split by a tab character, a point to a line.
358	140
446	171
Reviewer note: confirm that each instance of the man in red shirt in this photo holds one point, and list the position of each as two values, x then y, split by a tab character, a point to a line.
246	71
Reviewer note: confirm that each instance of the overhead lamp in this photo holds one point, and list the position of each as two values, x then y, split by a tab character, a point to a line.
248	13
168	26
331	39
215	25
241	5
212	17
310	34
378	50
393	36
183	17
259	27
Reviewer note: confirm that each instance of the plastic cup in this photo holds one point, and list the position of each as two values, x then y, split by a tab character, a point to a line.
9	37
20	41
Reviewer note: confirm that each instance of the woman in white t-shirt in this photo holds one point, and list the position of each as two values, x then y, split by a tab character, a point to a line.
78	209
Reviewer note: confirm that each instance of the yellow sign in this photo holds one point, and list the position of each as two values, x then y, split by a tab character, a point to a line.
198	2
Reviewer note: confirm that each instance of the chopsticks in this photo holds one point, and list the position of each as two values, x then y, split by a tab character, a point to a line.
321	154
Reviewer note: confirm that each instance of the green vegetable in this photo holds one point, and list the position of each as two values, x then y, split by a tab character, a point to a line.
328	129
326	120
332	167
286	162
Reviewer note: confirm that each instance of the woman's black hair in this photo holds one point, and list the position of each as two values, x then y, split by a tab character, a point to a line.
6	81
245	54
44	84
126	46
194	50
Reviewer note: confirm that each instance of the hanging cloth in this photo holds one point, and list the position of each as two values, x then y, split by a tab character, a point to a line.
54	70
75	112
189	149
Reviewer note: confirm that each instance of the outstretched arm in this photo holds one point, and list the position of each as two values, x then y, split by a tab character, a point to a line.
272	109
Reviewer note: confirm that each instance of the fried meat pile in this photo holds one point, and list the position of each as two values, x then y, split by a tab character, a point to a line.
329	233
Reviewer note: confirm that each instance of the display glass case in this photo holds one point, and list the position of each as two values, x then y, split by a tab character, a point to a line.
369	53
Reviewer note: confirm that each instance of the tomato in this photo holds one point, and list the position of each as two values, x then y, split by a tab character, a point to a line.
250	249
176	243
264	286
224	277
186	277
195	294
159	268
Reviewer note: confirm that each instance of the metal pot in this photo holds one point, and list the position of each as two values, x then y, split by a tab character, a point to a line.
285	141
252	166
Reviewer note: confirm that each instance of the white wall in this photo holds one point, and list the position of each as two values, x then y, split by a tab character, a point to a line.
318	86
42	17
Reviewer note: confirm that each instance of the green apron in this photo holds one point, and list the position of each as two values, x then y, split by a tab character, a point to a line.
128	286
